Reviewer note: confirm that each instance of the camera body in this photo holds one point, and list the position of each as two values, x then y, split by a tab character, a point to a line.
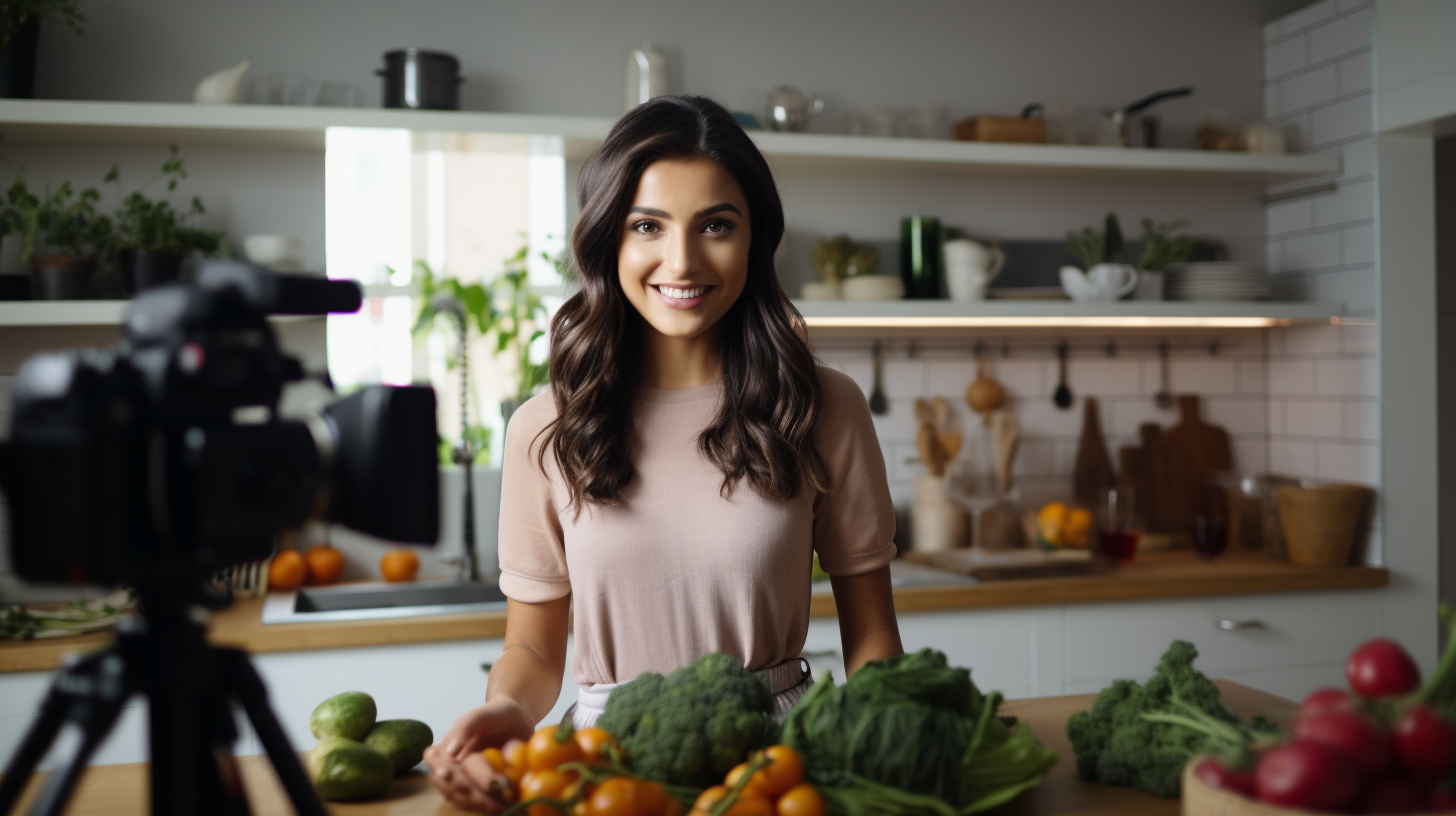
163	459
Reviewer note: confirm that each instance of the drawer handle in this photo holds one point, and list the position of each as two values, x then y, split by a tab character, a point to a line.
1229	625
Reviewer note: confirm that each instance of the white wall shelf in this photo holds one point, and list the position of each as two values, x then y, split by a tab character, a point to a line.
301	128
944	314
15	313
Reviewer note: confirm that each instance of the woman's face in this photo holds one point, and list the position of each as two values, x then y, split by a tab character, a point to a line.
683	257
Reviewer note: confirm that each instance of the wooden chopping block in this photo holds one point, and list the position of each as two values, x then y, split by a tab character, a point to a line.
1026	130
1092	474
1206	450
1160	492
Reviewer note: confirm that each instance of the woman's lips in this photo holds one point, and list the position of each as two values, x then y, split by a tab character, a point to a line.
682	298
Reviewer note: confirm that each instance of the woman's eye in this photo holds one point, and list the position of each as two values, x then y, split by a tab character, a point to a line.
644	227
718	227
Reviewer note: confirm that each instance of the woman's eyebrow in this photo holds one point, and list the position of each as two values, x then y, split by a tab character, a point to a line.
655	213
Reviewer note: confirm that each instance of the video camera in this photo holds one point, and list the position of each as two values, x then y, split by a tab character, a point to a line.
163	459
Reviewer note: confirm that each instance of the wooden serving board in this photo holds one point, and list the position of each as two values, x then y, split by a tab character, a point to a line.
1013	564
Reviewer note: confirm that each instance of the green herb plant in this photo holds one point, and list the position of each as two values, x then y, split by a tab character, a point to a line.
1161	246
144	223
14	14
1092	246
61	220
841	257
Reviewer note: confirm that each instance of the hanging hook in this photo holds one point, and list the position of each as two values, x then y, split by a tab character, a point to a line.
1213	347
978	349
1005	349
1111	348
910	352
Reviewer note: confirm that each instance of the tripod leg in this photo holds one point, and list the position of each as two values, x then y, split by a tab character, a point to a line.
37	741
95	717
251	692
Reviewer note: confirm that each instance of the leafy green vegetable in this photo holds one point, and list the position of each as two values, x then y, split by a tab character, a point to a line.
1115	744
691	727
912	735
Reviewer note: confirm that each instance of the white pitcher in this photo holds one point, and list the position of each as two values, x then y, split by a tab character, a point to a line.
1103	282
970	267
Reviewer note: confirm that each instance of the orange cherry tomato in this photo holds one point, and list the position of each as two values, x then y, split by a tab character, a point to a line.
514	752
755	785
784	770
495	758
325	564
543	751
800	800
710	797
399	565
582	808
593	743
750	804
615	797
548	784
652	798
287	571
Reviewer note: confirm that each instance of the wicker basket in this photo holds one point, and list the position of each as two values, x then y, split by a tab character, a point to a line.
1202	800
1320	523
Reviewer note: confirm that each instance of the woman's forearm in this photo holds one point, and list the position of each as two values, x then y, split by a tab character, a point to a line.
867	627
528	679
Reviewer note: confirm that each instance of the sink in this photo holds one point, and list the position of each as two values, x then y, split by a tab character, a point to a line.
376	601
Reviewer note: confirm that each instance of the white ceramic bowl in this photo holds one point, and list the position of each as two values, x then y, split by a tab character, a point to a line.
283	253
872	287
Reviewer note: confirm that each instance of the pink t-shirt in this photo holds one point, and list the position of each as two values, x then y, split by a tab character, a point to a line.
676	570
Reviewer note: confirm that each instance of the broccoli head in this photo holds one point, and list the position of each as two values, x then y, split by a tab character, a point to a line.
1114	744
692	726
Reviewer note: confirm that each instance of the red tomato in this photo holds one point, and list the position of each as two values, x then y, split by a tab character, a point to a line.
1306	774
1425	744
1381	668
1325	699
1351	734
1215	774
1391	796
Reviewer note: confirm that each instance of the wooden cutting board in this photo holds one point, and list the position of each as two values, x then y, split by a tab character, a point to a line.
1205	449
1013	564
1156	476
1092	474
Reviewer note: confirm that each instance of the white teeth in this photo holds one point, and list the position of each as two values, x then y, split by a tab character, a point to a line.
682	294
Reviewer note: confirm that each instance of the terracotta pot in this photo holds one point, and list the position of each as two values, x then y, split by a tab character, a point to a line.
60	277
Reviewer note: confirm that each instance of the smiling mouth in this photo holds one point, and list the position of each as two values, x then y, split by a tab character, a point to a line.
678	298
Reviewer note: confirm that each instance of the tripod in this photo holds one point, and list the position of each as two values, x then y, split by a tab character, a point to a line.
163	655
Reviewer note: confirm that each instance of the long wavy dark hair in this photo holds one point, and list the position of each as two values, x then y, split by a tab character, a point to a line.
764	429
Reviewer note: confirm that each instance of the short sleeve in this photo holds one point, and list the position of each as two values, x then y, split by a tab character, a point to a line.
530	545
854	520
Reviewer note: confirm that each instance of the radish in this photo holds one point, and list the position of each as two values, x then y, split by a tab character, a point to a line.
1425	744
1215	774
1381	668
1306	774
1351	734
1391	796
1325	699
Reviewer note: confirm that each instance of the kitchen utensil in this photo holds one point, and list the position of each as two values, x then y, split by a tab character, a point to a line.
878	403
1164	398
789	109
1102	283
221	88
1028	128
920	256
970	266
1156	475
936	523
420	79
1130	127
872	287
1206	450
984	394
1320	523
1062	397
646	75
1092	473
1006	433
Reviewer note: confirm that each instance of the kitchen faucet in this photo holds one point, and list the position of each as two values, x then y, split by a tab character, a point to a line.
463	454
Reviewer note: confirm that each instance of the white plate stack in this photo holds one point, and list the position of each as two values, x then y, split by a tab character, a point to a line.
1216	280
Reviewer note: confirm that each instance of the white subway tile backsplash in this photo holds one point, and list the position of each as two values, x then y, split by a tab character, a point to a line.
1281	58
1309	89
899	424
1357	244
1320	338
1041	417
1357	339
1274	255
1357	377
1022	379
1310	418
1254	376
904	378
1355	73
1312	251
1357	158
1342	120
1291	377
1339	37
1307	16
1346	5
1292	458
1198	376
1251	455
1272	30
1124	417
1240	417
1275	414
861	371
1035	458
1271	100
1349	462
1354	288
1351	202
1099	378
1289	216
949	378
1362	420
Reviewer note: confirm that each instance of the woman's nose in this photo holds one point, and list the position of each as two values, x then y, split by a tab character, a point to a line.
681	253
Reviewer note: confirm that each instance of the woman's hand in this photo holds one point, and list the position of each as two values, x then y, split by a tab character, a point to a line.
472	784
456	765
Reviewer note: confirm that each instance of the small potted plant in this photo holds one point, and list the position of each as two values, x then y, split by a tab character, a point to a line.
19	35
62	236
1104	278
153	237
1161	247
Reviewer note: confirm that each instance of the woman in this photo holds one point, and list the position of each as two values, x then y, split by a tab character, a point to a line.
690	457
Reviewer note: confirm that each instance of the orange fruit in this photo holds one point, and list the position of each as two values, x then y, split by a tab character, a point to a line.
399	565
547	784
801	800
543	752
287	571
784	770
593	743
616	796
325	564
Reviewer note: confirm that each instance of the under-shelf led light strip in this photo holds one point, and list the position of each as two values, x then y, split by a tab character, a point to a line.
1099	322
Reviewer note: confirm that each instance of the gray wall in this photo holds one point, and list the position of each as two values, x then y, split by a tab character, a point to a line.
567	56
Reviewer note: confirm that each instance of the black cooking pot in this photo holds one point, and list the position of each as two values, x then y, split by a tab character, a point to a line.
416	78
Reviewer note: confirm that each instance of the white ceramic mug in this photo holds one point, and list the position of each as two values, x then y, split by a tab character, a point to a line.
970	267
1113	281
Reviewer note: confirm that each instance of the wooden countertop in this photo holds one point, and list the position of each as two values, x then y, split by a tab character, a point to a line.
121	790
1152	576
